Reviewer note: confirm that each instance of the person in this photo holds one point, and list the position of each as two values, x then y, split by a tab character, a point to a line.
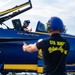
48	24
54	49
25	26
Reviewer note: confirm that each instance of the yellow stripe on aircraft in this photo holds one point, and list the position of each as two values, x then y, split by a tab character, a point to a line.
70	64
40	70
13	9
20	66
32	67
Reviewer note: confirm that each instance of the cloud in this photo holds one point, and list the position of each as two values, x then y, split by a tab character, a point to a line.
4	2
63	9
1	3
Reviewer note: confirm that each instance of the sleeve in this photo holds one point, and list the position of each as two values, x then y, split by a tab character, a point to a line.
22	28
39	44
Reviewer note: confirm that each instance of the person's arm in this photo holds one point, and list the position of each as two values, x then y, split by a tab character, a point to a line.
29	48
30	30
27	30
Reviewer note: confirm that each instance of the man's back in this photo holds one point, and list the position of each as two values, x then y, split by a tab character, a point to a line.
55	50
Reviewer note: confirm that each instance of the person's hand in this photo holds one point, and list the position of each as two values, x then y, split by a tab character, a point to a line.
31	29
24	46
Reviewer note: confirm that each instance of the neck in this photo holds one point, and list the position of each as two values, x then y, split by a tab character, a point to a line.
53	32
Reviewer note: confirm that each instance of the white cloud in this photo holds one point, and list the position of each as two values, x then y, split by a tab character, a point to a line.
4	2
1	3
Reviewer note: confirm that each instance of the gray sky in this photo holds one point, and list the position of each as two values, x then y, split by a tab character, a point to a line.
44	9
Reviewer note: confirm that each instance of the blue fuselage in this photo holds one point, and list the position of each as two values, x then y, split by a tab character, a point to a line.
11	52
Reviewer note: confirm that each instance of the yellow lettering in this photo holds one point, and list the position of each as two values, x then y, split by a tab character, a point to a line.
52	42
61	49
65	52
53	49
60	43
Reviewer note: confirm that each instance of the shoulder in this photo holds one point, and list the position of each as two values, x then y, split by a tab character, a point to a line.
40	40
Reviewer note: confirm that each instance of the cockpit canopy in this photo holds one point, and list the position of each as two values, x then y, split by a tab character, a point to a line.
40	27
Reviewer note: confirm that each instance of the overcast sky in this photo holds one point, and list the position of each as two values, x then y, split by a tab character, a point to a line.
44	9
